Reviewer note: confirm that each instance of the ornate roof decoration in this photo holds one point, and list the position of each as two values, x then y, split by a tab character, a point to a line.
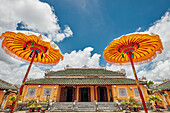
84	81
6	85
85	71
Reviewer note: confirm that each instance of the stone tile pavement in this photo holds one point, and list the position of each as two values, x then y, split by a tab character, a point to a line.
89	112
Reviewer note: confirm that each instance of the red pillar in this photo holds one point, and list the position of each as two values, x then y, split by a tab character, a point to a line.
94	93
75	97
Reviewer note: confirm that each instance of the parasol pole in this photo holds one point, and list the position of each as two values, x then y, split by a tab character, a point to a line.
137	82
22	85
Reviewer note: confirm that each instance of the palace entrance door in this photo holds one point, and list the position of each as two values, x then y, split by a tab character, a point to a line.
66	94
102	94
84	95
69	94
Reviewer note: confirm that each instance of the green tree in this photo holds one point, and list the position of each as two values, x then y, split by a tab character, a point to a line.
166	80
149	84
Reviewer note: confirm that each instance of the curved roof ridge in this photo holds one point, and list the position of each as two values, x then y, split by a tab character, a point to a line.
163	86
3	83
85	71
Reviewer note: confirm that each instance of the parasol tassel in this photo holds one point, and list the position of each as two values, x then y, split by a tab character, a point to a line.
41	56
132	55
123	56
36	53
31	55
24	45
24	48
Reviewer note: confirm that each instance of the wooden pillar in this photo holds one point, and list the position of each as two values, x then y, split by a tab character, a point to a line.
97	93
108	94
24	93
56	92
94	93
75	94
114	92
130	91
77	98
38	92
146	96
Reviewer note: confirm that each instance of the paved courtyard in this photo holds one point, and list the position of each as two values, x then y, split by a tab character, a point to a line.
90	112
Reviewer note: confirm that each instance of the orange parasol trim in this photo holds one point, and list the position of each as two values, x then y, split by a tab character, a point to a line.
20	46
143	47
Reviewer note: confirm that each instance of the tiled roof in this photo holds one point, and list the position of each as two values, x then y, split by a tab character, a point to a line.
164	86
6	85
85	71
83	81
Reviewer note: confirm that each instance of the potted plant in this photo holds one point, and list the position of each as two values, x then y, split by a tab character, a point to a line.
32	104
12	99
153	99
132	103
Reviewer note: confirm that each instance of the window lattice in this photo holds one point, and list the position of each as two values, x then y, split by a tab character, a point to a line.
31	91
47	91
137	92
122	92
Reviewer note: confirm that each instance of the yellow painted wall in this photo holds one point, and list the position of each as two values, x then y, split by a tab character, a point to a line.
1	96
56	92
167	97
165	102
39	92
162	104
7	103
130	92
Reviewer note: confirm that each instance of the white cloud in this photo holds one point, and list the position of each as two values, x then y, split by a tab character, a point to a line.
159	69
13	70
14	73
138	29
35	15
79	59
160	66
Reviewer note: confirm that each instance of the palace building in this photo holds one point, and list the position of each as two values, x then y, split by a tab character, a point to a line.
6	90
163	91
83	85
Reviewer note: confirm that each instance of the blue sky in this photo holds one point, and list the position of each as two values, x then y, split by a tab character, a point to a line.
96	23
83	28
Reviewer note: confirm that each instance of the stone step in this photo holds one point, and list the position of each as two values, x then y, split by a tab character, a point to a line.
84	106
107	106
61	106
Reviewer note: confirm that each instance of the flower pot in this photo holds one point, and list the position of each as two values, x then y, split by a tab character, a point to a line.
156	106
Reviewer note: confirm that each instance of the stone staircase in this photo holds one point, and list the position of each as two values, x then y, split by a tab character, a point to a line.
84	106
107	107
61	107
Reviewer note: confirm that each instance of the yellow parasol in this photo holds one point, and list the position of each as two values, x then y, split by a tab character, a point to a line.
30	47
133	48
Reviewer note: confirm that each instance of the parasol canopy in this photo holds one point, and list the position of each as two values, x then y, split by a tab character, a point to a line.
21	44
143	48
31	47
133	48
